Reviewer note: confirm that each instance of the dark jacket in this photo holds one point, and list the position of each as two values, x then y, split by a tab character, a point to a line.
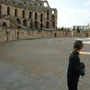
74	67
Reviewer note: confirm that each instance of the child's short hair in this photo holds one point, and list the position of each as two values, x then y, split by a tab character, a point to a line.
78	44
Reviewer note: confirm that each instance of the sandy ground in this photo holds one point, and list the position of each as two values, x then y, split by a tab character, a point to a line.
39	64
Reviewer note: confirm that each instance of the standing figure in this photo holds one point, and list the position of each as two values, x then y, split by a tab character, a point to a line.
75	67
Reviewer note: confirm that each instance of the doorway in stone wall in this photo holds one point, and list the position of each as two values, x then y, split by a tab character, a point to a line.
55	35
18	21
4	24
25	22
47	24
36	24
7	36
31	24
41	26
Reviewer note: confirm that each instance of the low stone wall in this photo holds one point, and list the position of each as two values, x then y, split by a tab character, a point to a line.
81	34
10	34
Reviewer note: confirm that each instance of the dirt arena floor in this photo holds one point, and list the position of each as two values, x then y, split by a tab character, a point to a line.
40	64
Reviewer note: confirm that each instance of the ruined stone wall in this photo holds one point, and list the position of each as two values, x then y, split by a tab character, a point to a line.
81	34
8	34
40	17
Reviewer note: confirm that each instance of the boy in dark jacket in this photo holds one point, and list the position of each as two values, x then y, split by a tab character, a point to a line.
75	67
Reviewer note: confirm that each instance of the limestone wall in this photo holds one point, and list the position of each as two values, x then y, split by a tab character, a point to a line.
40	17
10	34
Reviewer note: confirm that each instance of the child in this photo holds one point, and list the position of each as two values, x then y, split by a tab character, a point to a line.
75	66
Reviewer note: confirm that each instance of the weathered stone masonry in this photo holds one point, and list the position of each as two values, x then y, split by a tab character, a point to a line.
31	14
22	19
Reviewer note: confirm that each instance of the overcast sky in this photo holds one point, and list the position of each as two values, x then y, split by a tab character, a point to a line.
72	12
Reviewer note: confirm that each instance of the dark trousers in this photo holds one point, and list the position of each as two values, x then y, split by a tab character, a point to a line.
72	85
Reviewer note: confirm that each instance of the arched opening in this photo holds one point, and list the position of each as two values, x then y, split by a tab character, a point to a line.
53	12
18	21
19	27
47	24
41	26
45	4
16	13
36	24
8	10
7	35
36	4
24	22
30	15
23	14
0	11
47	14
41	17
53	24
35	16
4	24
55	35
53	18
31	24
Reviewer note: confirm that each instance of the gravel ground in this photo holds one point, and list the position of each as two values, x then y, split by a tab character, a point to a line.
39	64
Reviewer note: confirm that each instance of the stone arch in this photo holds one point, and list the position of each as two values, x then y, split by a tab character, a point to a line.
4	24
55	34
0	11
31	24
47	24
53	12
30	15
19	27
53	18
47	14
41	17
36	4
8	10
53	24
41	26
45	4
16	12
24	22
35	15
23	14
36	24
18	21
7	35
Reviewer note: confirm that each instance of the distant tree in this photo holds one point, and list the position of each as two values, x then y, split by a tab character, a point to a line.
62	29
74	28
78	29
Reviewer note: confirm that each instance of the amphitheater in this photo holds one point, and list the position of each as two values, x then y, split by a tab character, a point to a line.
31	14
23	19
39	64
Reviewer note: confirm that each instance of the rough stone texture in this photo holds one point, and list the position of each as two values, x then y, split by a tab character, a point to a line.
39	64
27	13
10	34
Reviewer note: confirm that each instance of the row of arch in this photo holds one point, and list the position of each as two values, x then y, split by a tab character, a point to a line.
35	23
30	14
23	13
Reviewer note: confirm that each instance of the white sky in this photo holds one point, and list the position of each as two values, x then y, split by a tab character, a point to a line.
72	12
